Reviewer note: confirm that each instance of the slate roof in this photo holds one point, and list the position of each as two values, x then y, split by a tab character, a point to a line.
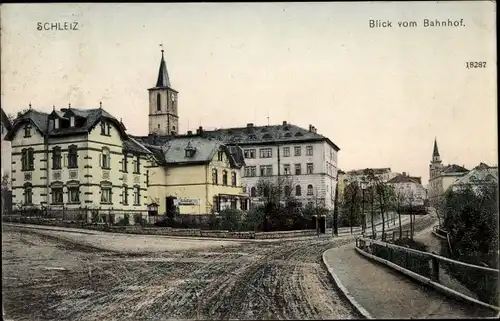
257	135
453	168
404	179
85	121
5	120
376	171
174	151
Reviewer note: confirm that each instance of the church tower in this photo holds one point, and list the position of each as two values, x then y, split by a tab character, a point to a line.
163	117
435	166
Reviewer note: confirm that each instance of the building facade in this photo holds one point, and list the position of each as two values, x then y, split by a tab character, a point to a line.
76	159
304	161
441	177
360	175
409	190
194	175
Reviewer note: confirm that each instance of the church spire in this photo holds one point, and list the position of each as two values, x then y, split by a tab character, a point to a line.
163	79
435	153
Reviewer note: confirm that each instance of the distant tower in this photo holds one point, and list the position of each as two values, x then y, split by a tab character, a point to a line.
163	117
435	165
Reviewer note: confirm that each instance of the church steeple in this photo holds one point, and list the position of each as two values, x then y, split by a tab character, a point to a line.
436	151
163	79
163	116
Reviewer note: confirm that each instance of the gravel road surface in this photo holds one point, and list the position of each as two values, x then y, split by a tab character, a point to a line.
66	275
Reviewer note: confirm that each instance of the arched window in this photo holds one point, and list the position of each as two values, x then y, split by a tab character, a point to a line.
158	102
253	192
298	191
309	189
224	178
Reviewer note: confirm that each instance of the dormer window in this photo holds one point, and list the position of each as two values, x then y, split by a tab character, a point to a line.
27	130
105	128
56	123
72	121
189	152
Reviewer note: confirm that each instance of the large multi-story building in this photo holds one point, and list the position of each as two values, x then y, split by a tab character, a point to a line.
360	175
409	190
441	177
305	158
477	178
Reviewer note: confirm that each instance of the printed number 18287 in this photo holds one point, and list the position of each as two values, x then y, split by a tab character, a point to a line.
475	64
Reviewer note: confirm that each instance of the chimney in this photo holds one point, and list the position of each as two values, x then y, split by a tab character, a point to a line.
190	132
404	173
314	129
284	122
250	125
310	127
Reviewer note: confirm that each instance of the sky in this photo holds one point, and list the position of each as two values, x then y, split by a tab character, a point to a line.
381	94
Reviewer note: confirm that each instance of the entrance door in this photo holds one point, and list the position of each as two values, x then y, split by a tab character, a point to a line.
170	207
322	224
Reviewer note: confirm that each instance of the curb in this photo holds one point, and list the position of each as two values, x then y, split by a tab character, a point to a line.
362	311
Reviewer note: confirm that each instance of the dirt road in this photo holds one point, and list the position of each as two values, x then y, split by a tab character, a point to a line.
68	276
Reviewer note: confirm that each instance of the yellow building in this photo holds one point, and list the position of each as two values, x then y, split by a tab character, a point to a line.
195	175
77	159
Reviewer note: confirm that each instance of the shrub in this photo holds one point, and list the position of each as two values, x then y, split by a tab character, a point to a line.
230	219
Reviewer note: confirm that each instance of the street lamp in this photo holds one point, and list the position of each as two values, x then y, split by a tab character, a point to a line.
363	187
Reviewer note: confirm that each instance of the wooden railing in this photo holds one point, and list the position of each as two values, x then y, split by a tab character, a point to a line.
431	267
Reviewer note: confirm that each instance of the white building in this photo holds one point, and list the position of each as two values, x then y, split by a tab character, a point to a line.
409	190
479	176
360	175
304	157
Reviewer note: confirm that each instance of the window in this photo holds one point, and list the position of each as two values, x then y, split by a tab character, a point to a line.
286	169
125	195
137	195
72	121
158	102
72	156
56	158
266	153
74	194
309	189
220	156
189	153
298	169
105	158
233	179
27	130
224	178
266	170
214	176
298	191
309	168
249	153
28	193
286	151
287	190
125	163
250	171
137	165
27	159
57	195
297	150
106	195
309	150
103	128
253	192
56	123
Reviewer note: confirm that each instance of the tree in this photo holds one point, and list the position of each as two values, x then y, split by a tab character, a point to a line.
5	190
399	196
335	230
352	202
13	117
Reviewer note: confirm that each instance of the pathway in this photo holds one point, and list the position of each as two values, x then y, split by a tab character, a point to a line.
385	293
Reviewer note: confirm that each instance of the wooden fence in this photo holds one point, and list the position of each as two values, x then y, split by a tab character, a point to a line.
430	267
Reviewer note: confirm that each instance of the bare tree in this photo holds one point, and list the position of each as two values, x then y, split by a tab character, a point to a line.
409	198
399	197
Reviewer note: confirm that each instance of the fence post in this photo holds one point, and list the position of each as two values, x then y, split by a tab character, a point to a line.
434	268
